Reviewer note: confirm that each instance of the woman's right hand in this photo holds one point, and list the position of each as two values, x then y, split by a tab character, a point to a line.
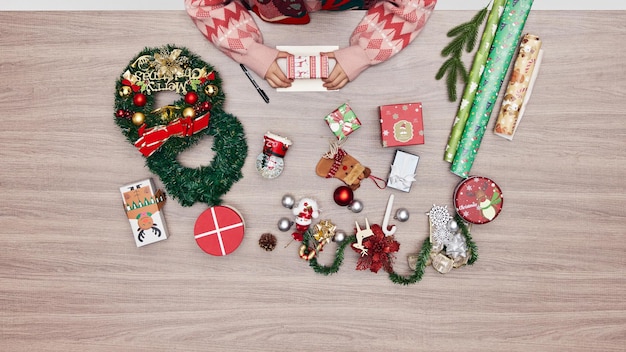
275	76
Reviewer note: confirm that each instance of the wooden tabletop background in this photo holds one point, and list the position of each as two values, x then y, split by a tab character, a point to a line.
551	273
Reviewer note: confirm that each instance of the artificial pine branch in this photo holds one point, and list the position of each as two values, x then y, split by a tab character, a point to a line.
465	36
328	270
471	245
420	266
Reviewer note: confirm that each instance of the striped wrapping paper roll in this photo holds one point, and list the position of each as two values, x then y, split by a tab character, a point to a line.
519	87
478	66
498	62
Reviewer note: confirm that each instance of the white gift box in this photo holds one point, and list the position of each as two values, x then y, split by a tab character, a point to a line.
403	171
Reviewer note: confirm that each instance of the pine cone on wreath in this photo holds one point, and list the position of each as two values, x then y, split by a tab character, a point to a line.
267	242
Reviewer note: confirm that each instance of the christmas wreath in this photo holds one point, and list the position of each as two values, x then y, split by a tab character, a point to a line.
161	133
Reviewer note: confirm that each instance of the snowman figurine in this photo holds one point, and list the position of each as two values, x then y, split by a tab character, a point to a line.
270	162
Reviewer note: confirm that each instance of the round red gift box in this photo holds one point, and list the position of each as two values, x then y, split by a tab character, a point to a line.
478	200
219	230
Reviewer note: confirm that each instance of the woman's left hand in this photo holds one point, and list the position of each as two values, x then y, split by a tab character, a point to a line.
337	78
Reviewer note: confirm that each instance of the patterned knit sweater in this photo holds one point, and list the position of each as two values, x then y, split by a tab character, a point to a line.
387	28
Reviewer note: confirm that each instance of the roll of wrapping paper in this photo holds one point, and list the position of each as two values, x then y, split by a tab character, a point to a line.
519	86
478	66
502	50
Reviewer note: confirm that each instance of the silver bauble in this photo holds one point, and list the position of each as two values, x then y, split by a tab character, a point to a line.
356	206
340	235
288	201
284	224
402	215
453	226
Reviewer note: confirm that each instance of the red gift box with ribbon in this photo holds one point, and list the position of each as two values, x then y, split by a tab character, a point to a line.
219	230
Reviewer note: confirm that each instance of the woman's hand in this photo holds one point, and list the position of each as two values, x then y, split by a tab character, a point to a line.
337	78
275	76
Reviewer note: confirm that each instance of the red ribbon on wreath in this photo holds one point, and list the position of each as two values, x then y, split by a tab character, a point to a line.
152	139
132	85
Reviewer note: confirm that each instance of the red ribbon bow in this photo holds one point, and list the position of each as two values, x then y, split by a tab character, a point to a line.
152	139
132	85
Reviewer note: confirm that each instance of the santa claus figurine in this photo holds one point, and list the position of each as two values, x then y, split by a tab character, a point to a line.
305	211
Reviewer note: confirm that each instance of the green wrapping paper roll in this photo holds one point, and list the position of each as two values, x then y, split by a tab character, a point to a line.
504	44
473	80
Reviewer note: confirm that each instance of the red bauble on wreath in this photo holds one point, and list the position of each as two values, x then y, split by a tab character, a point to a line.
140	99
191	98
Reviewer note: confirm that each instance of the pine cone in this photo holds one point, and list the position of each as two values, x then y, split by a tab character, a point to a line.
267	242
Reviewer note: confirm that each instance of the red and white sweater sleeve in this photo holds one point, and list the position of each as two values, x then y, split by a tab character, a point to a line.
387	28
231	28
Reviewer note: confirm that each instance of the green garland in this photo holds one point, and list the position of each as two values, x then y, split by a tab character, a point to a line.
422	260
471	245
328	270
466	35
420	266
176	69
424	254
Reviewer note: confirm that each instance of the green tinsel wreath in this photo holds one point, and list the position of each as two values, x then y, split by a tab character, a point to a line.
176	69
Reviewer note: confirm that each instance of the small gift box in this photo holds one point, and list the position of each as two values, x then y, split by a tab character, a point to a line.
401	124
219	230
342	121
143	203
307	66
403	171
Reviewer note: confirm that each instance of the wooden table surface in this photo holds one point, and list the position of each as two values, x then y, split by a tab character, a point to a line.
551	272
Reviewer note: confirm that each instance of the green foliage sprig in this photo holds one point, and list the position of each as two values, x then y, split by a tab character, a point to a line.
465	36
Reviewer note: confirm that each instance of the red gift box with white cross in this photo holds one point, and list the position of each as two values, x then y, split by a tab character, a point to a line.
219	230
401	124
